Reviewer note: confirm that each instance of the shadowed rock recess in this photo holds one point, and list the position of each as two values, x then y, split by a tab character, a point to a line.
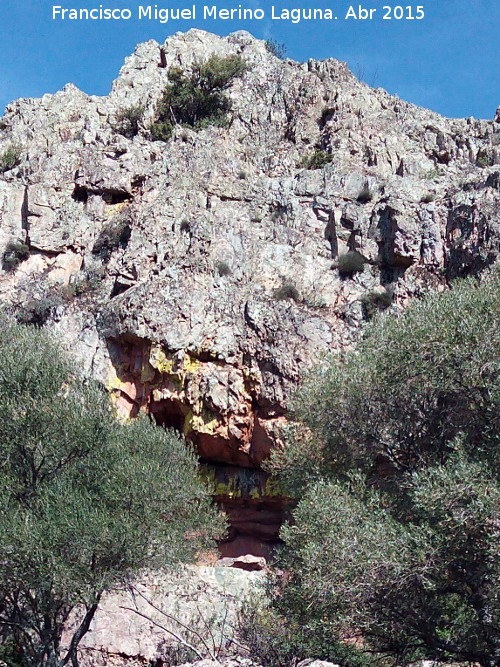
199	278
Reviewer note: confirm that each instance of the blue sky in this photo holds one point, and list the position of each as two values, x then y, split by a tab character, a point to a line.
449	61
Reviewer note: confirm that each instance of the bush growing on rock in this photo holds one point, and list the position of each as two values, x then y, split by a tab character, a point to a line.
10	158
276	48
38	310
316	160
349	263
484	160
115	234
161	130
223	268
286	291
432	174
197	99
88	280
15	253
85	502
128	120
39	302
395	541
375	301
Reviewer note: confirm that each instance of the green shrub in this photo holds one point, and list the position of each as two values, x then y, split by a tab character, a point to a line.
41	301
161	131
10	158
219	121
350	263
276	48
14	253
128	120
316	160
428	198
223	268
432	174
87	281
86	502
115	234
314	299
279	640
484	160
37	311
376	301
286	291
396	532
365	195
10	654
197	99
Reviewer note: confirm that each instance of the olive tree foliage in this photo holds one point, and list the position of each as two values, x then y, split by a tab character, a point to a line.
274	639
396	540
86	502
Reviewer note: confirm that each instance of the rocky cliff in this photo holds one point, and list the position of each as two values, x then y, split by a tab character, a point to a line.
199	278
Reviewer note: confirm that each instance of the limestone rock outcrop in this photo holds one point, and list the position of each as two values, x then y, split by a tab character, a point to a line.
225	281
188	612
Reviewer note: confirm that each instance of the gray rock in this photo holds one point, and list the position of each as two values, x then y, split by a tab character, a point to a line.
196	606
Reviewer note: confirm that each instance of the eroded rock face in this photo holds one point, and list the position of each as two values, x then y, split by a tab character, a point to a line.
222	287
152	621
213	402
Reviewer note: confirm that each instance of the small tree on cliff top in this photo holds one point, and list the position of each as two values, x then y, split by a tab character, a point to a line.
396	540
85	502
197	99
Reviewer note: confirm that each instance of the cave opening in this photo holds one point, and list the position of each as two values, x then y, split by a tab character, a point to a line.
113	197
229	460
80	194
168	414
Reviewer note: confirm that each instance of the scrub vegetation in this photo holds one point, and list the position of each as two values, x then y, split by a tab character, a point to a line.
197	99
86	502
394	545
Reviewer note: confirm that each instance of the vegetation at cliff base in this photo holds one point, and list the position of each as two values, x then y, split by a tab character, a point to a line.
197	99
395	543
283	640
86	502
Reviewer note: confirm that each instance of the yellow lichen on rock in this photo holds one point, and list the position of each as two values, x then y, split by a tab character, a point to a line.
190	364
114	383
147	371
236	484
188	421
229	488
271	489
110	210
203	422
159	360
167	364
